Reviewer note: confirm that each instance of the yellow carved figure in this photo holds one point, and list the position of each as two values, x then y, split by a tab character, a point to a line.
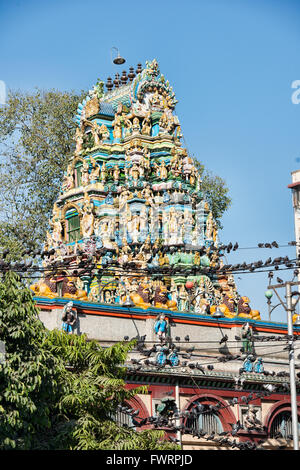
227	307
41	288
161	299
140	298
244	309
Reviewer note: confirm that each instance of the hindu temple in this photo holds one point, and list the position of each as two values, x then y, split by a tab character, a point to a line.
133	248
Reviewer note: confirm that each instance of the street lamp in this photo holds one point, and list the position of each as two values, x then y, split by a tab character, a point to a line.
117	60
269	295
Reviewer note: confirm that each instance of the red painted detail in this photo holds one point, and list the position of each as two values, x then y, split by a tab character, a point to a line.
225	414
277	408
293	185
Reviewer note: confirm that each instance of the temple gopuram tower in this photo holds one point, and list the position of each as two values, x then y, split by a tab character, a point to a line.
131	220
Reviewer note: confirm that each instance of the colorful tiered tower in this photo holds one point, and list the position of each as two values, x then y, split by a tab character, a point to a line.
131	221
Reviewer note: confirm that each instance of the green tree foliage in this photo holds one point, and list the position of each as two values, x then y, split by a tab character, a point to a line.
36	140
30	375
60	391
215	192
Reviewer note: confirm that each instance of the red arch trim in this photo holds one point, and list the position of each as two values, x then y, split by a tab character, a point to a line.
276	409
225	413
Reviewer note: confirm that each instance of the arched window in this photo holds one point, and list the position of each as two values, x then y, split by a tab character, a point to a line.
72	225
282	425
122	419
207	421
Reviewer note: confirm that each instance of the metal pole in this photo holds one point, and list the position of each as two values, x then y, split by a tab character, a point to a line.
289	310
177	399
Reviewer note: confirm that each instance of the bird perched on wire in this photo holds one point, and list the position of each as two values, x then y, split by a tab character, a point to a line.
224	339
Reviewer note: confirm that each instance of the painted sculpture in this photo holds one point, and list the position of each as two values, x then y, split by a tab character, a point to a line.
161	327
68	318
132	209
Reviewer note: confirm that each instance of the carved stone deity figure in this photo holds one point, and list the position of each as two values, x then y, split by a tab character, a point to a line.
173	227
68	318
125	254
127	127
148	195
124	196
104	132
96	133
117	123
161	327
146	124
108	233
161	170
143	222
209	226
88	217
183	298
251	422
165	122
85	177
94	174
146	160
156	101
103	173
134	172
133	225
56	225
136	125
68	182
78	140
116	173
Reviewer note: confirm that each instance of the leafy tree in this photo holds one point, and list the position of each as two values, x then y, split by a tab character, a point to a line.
36	141
60	391
215	192
30	375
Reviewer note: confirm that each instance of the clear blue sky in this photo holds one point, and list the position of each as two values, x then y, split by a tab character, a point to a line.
231	64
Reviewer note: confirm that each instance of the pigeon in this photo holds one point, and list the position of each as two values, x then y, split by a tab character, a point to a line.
224	339
187	338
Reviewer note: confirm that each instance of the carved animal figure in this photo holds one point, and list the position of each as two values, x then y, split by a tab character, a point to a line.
227	306
71	291
244	309
44	288
141	298
161	299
